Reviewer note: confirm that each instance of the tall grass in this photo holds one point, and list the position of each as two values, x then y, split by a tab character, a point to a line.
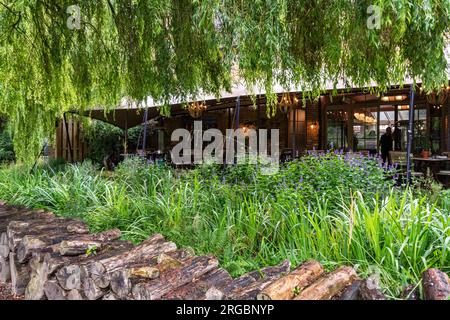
367	224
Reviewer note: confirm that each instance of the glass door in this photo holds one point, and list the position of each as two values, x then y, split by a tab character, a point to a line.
337	128
365	129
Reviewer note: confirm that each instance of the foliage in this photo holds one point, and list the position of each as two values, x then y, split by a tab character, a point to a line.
103	140
6	145
178	48
259	223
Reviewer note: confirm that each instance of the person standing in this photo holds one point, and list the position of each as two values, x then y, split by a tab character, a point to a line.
386	145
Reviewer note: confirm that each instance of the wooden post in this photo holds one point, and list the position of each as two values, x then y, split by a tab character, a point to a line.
144	138
68	137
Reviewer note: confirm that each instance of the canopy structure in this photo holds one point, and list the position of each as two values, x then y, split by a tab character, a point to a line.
130	114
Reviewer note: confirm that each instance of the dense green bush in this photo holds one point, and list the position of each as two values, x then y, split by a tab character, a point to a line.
104	141
332	208
6	146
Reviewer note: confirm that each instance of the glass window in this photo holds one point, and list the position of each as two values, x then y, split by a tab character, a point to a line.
365	133
337	122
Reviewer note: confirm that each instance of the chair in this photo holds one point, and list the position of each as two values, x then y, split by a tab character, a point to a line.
399	158
444	177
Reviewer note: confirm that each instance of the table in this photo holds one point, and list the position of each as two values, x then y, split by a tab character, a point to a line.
435	165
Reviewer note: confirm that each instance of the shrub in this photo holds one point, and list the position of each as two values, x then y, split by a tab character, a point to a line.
104	141
6	146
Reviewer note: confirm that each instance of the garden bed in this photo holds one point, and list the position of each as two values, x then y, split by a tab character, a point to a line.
333	209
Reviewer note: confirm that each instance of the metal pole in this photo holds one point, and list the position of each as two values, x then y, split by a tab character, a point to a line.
238	109
126	134
144	138
68	137
410	134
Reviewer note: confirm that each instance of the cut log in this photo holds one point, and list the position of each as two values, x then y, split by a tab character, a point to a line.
241	282
214	294
123	280
286	287
110	296
68	277
91	290
5	275
3	238
193	268
369	290
74	295
4	251
268	272
66	244
44	265
265	277
411	292
202	288
53	291
143	252
20	275
51	228
248	279
351	292
23	216
329	285
436	285
78	247
98	268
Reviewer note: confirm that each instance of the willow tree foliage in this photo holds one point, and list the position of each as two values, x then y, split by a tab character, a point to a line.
178	48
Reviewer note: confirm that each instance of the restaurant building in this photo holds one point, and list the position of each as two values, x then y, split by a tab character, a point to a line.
351	119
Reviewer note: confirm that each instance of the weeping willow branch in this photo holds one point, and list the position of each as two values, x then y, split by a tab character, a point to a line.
179	48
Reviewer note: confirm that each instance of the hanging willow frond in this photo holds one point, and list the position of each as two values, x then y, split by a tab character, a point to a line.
179	48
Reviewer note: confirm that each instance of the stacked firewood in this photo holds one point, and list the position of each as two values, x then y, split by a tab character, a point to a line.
46	257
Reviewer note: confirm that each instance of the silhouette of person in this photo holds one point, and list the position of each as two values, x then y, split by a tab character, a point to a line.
386	145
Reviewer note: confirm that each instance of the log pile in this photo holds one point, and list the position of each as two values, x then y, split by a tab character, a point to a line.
45	257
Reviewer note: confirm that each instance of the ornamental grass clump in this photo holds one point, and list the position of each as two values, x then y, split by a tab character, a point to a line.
336	209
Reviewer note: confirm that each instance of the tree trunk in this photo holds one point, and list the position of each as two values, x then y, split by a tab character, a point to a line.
436	285
193	268
297	280
329	285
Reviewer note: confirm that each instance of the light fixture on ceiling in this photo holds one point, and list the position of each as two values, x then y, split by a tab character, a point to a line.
196	109
287	102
